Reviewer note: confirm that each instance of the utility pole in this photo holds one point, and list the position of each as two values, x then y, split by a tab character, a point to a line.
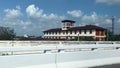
113	19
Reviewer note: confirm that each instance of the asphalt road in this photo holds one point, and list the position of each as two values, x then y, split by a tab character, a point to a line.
108	66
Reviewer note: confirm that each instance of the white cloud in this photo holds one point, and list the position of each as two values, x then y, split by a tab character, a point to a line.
90	18
93	18
109	2
12	17
36	13
118	20
37	20
33	11
75	13
38	16
34	23
108	21
12	13
18	7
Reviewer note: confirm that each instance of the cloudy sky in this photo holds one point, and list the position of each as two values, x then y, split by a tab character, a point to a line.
31	17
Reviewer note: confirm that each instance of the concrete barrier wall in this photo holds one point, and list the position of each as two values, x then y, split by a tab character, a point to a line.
82	59
69	54
37	43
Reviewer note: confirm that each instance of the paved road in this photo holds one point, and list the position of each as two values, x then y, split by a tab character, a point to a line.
109	66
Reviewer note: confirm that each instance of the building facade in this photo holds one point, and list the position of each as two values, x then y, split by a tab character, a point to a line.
70	31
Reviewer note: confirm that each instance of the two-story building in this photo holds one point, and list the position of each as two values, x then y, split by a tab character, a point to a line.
70	31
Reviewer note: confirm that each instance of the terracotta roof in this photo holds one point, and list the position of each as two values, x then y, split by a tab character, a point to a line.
87	27
53	30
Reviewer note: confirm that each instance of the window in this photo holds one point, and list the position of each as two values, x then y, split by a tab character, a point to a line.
68	24
97	33
102	33
50	37
63	32
79	31
52	32
55	37
63	24
58	37
75	31
55	32
58	32
66	32
85	31
70	32
90	31
44	32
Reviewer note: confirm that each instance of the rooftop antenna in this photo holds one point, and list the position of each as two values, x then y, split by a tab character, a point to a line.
113	19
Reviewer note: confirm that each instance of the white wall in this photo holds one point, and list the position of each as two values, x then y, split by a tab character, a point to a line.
73	34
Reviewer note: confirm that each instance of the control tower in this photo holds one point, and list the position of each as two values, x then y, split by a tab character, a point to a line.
67	24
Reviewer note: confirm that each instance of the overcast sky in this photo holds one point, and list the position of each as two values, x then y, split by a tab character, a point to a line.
31	17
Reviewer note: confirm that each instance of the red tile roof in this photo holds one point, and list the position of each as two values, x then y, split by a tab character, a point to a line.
87	27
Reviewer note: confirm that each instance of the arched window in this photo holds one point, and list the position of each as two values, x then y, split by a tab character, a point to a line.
79	31
75	31
70	32
90	31
85	31
66	32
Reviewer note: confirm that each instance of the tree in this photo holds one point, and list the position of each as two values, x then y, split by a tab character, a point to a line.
6	33
112	37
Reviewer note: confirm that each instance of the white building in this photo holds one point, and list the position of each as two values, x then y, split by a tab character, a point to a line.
70	31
